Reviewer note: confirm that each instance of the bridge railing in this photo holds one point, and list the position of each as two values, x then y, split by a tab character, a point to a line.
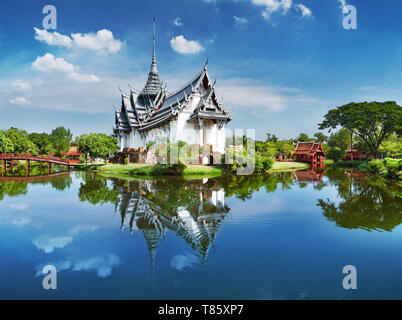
7	156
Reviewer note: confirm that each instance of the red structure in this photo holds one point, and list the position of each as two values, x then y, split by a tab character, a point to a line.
310	152
313	176
29	157
355	154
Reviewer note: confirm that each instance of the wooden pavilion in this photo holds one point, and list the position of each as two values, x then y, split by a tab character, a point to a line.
310	152
355	154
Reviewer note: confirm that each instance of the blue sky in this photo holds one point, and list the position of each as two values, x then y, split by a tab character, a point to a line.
280	64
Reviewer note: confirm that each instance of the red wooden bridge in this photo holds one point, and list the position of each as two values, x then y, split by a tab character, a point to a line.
29	157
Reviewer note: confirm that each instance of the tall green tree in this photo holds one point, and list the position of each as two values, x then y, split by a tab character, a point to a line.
371	121
6	145
61	139
21	142
303	138
97	145
320	136
42	142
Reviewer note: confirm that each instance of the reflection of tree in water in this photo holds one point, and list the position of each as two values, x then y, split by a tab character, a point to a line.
95	190
13	189
243	187
368	202
17	186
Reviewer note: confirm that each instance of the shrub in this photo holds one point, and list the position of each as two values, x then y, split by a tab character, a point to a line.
126	160
169	169
335	154
376	165
244	159
263	163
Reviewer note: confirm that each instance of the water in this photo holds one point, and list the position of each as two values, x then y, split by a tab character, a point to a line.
280	236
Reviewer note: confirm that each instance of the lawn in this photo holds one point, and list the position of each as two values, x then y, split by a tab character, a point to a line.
289	166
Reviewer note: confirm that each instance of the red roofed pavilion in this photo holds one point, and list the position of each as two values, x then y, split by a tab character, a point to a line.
310	152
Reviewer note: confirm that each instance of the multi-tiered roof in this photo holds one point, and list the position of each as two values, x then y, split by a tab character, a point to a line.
154	106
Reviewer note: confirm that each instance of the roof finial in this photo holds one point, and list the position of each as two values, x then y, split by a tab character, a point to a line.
153	67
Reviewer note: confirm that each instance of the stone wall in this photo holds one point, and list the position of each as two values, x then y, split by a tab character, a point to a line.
134	156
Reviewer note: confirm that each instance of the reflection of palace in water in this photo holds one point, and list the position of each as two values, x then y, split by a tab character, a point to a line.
193	211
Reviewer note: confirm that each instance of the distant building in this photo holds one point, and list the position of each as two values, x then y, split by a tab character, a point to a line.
310	152
192	114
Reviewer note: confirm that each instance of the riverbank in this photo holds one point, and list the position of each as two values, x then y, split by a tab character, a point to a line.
189	172
387	168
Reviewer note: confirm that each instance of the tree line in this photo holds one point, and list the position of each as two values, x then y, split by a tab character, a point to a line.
373	128
96	145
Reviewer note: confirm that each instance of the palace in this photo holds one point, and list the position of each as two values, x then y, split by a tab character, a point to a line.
192	114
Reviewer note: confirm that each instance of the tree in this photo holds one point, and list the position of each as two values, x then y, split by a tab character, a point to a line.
371	121
61	139
320	136
97	145
6	145
339	139
392	146
22	144
303	138
271	137
42	142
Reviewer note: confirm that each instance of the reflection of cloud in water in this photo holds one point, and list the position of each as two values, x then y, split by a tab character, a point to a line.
48	244
180	262
21	221
83	228
101	265
18	206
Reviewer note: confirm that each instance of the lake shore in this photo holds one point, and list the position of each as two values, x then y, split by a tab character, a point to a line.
191	171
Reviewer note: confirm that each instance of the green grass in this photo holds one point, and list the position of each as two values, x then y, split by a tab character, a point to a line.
135	169
289	166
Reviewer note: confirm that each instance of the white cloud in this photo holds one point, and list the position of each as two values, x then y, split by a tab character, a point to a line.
184	46
48	63
84	78
246	93
306	12
53	38
177	22
343	4
240	20
272	6
21	85
101	41
48	244
22	101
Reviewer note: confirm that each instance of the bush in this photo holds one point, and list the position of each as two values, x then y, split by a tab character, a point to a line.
126	160
376	165
335	154
169	169
263	163
243	160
